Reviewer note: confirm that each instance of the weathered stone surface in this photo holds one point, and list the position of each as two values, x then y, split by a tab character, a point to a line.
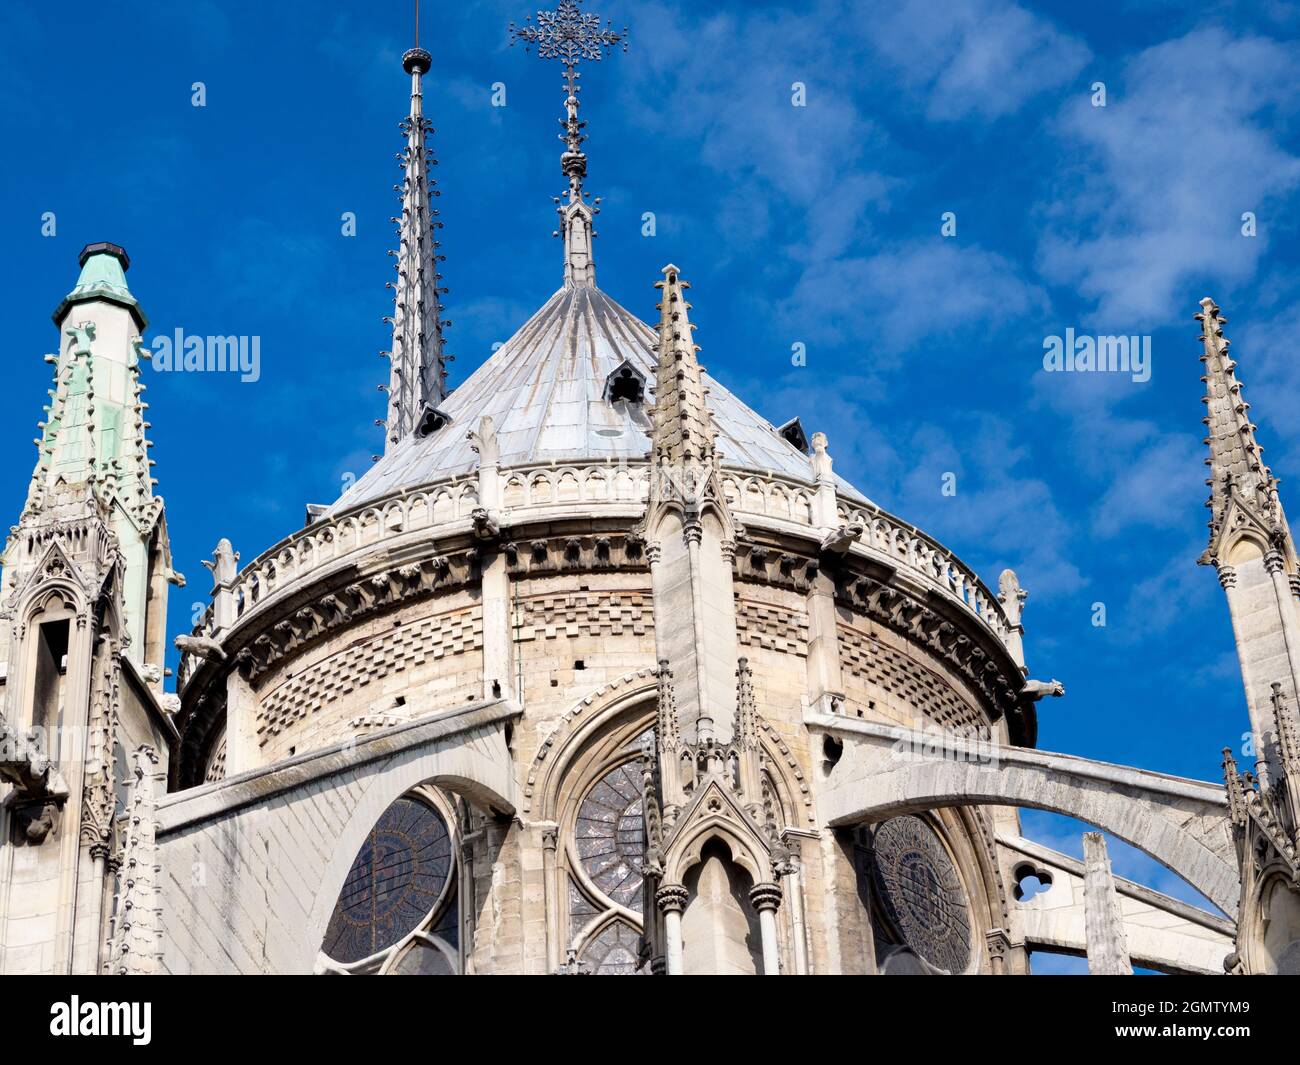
886	770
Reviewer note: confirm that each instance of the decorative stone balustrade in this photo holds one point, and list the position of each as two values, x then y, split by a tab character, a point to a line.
613	487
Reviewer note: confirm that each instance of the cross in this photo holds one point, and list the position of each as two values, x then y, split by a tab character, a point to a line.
569	34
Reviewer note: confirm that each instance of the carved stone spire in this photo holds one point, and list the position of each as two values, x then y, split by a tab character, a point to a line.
744	738
570	35
690	530
1237	469
417	380
684	436
1251	548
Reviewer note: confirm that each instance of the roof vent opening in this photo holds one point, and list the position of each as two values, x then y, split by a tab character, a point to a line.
793	432
431	420
626	383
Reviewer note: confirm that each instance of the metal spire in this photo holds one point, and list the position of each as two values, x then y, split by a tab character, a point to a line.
417	375
570	35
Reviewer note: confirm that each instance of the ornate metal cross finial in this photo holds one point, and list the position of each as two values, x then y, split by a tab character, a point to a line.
570	35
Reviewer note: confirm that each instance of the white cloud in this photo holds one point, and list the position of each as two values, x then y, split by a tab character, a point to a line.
898	297
1158	488
979	59
1163	173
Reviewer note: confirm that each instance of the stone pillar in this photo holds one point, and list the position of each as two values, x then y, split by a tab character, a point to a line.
1286	606
825	510
766	898
671	900
242	752
792	879
1263	652
1104	927
225	570
553	898
999	946
825	679
499	674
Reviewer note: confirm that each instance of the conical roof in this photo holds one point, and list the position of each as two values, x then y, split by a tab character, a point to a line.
546	392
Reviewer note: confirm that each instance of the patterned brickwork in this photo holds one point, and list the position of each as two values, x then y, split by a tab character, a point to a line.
771	627
597	613
907	680
402	650
217	765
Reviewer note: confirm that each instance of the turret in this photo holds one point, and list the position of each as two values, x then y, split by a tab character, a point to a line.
83	601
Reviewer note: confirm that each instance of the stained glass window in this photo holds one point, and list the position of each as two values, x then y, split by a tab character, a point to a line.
614	952
921	892
422	959
610	833
395	881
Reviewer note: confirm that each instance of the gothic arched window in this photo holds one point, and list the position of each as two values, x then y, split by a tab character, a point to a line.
610	834
921	904
605	846
398	912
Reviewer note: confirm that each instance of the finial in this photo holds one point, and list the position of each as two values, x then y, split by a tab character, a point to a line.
417	60
103	247
570	35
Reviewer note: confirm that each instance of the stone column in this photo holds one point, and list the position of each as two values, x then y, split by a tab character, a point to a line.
671	900
765	898
498	637
553	900
825	678
1276	567
999	946
242	753
1103	925
1261	649
790	872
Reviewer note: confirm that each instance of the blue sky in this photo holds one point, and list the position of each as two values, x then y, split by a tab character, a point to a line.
817	224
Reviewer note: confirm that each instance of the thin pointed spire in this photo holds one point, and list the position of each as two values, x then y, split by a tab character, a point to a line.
570	35
417	381
683	436
745	729
1235	458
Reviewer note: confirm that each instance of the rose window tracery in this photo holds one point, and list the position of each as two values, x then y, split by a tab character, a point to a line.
921	893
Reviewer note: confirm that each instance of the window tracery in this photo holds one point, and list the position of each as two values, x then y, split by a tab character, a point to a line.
398	911
605	843
918	894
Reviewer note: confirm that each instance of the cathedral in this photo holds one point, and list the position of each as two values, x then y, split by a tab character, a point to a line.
595	671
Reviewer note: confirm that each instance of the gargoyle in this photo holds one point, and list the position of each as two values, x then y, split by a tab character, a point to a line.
37	820
1040	689
485	528
840	540
204	647
24	764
